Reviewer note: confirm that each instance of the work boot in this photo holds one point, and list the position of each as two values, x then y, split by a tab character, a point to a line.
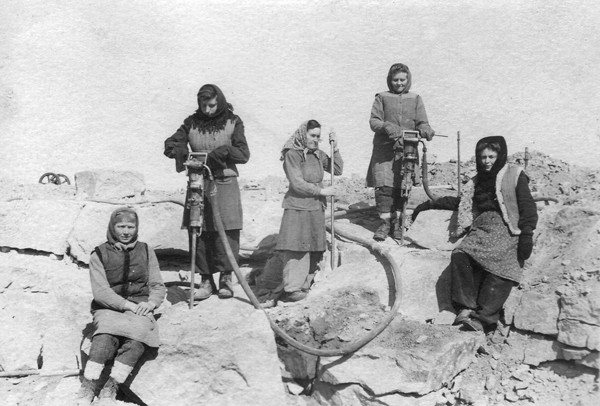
293	296
225	286
383	231
109	391
85	395
205	289
462	316
397	233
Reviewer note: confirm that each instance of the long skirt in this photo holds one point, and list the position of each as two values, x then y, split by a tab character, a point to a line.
127	324
493	247
302	230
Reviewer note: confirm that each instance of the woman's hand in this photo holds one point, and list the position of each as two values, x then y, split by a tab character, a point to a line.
144	308
333	139
329	191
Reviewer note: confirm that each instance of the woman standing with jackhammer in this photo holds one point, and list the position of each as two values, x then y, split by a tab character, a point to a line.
216	130
393	111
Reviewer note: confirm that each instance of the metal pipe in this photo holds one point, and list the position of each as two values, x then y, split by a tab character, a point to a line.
332	208
458	161
194	235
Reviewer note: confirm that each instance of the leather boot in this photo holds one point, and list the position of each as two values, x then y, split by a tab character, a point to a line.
205	290
86	392
109	390
383	231
225	286
398	224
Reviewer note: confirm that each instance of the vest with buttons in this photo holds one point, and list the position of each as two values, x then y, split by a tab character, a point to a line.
133	284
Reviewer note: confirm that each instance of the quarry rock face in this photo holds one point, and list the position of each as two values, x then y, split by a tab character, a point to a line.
219	353
41	225
109	184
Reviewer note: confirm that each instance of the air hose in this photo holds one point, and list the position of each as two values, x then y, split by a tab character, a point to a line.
346	349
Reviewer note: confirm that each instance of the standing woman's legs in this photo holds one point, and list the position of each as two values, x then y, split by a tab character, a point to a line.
384	202
296	268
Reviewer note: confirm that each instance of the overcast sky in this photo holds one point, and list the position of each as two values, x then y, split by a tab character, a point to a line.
101	84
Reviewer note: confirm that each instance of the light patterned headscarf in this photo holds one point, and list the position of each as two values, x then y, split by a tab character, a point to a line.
297	140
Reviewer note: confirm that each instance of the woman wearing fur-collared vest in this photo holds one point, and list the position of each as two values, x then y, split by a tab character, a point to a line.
498	215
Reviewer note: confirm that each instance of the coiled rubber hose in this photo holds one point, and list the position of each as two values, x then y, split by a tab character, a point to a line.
346	349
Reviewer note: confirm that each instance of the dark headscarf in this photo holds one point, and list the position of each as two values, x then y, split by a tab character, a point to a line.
224	110
485	187
395	68
117	216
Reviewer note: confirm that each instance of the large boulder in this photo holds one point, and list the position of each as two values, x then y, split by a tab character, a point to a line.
160	227
431	229
219	353
106	184
41	225
408	358
44	311
537	312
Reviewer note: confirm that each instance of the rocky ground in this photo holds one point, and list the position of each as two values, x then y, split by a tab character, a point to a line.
545	351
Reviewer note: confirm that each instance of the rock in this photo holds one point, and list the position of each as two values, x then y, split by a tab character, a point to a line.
219	353
65	393
431	230
356	395
533	349
109	184
576	334
583	308
297	365
41	225
90	228
395	362
538	313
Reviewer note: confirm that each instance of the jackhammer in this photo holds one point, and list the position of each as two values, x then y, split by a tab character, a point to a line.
406	162
197	171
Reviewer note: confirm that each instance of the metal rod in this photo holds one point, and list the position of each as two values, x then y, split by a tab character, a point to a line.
458	161
526	157
193	266
332	208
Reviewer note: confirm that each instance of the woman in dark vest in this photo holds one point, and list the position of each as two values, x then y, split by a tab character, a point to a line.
127	287
301	240
214	129
498	215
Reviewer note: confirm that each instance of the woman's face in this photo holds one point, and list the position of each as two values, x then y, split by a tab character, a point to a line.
399	81
488	158
209	106
125	231
313	137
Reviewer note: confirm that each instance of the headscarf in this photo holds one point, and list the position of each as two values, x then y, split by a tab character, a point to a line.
395	68
224	111
297	141
118	216
485	187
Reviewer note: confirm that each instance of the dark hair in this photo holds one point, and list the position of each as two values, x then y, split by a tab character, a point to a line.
207	93
312	124
494	146
396	68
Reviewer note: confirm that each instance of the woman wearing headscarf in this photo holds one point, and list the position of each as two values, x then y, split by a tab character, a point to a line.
498	215
393	111
216	130
301	240
127	287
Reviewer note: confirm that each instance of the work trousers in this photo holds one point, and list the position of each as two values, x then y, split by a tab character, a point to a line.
299	269
211	256
388	199
105	346
476	289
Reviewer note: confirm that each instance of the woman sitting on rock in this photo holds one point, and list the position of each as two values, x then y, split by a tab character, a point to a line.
127	287
301	239
498	213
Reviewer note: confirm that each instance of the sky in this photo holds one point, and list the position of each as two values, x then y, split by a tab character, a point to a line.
101	84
